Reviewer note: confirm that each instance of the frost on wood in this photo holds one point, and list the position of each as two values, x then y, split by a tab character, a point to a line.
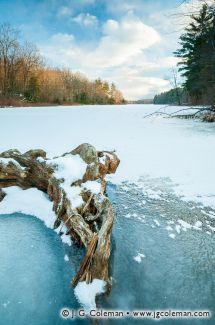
75	183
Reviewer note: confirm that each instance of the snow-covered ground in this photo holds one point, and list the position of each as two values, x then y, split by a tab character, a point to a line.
154	147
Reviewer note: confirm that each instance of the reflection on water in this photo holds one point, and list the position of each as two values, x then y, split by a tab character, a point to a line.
156	262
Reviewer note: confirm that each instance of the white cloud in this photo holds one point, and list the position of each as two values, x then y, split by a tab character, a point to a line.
173	21
122	40
64	11
85	19
63	38
135	85
119	56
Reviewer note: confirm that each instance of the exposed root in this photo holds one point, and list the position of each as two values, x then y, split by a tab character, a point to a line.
89	223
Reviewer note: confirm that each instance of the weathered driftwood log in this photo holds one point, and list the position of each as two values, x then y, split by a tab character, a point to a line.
89	222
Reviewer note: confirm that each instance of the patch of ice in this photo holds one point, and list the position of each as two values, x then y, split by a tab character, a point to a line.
66	239
139	257
170	222
169	228
172	236
211	228
157	222
178	229
212	212
198	224
5	304
184	224
66	258
86	293
153	194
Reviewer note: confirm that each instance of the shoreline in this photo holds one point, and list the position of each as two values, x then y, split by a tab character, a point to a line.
29	105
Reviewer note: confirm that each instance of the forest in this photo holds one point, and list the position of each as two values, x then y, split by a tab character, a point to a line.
26	79
196	65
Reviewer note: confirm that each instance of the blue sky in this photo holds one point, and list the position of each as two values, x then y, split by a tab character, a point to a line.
129	42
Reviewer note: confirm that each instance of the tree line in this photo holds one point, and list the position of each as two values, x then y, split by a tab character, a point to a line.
175	96
25	77
197	60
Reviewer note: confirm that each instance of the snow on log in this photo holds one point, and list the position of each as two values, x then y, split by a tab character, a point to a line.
75	183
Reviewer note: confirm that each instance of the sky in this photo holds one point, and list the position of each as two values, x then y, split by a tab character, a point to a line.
128	42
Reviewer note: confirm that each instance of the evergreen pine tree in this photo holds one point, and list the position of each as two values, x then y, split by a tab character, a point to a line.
197	56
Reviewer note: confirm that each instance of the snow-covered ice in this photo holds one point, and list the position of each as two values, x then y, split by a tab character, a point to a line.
157	147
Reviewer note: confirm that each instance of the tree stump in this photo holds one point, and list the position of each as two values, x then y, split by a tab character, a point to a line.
88	223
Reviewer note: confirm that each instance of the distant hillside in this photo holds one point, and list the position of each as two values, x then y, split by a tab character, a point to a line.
143	101
176	96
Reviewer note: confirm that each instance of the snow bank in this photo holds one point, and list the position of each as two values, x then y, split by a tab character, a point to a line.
86	293
31	202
